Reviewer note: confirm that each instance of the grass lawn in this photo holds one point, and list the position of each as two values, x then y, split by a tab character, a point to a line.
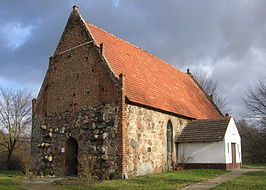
251	180
10	180
168	180
254	166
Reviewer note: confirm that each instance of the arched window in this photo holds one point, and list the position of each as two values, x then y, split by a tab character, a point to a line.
169	134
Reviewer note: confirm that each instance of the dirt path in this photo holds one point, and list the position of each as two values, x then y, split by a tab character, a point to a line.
40	184
46	186
204	185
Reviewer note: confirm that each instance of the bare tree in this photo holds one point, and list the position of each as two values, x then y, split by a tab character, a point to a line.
255	100
15	119
211	86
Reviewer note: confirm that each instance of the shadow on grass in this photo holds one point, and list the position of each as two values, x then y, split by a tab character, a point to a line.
10	172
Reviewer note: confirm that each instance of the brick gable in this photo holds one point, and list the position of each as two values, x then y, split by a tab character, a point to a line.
76	72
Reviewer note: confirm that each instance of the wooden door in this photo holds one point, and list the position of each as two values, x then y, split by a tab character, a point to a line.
71	157
233	148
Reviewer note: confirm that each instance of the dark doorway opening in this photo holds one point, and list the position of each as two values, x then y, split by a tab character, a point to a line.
71	157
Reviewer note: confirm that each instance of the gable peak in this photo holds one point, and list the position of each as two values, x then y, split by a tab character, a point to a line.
75	7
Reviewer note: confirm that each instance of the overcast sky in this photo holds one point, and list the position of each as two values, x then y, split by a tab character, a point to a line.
226	38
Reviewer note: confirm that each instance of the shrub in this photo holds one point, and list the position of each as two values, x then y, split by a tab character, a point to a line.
25	160
86	163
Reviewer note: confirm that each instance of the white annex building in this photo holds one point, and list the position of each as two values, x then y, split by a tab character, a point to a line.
212	143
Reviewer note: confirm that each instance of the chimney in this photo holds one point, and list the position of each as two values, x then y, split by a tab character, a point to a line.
212	97
188	72
33	103
50	59
75	8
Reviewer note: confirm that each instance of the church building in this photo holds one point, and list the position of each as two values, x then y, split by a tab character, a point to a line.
108	99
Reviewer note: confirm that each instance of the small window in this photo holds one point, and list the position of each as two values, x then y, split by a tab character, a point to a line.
228	148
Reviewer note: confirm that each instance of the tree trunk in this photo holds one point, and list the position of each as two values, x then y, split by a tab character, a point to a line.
9	161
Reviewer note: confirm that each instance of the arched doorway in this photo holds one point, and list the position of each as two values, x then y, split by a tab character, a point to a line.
71	156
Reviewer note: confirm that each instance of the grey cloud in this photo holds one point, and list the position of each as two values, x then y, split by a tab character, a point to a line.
185	33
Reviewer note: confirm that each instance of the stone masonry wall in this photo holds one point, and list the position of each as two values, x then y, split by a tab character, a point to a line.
94	128
147	150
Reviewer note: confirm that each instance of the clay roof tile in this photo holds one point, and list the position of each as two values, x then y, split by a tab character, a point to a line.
151	81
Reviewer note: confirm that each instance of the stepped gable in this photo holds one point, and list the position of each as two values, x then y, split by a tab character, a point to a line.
151	81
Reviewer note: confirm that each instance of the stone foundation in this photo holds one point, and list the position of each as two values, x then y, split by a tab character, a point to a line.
223	166
95	129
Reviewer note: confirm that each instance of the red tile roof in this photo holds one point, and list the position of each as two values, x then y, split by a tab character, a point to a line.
151	81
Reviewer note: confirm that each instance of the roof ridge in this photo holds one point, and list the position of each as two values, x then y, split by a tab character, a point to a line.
224	118
204	92
134	46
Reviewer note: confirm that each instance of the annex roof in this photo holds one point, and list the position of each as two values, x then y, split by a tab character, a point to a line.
210	130
151	81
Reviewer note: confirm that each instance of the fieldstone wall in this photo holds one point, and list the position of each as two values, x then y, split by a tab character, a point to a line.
147	149
94	128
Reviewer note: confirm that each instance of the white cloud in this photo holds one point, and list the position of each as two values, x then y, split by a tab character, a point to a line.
16	34
6	83
201	66
116	2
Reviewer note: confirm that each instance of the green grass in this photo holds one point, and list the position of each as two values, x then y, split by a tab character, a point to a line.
254	166
250	180
168	180
10	180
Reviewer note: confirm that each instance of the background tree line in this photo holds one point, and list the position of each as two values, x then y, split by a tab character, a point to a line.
252	127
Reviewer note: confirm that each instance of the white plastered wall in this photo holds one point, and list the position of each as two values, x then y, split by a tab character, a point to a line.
232	136
209	152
